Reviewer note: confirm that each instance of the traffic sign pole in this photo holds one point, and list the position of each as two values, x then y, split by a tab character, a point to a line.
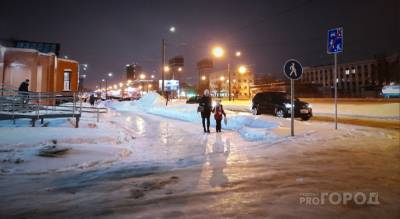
292	106
335	85
293	70
335	46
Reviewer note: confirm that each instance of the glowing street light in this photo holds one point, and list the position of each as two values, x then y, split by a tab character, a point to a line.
152	76
203	78
142	76
222	78
242	69
180	69
172	29
121	84
110	74
115	86
218	52
166	68
150	86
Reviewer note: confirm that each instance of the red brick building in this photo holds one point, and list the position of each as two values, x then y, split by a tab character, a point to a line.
46	72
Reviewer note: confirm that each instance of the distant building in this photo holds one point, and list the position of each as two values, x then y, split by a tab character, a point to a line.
359	78
132	71
240	85
46	72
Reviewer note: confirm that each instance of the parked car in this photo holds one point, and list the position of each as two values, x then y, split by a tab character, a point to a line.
278	104
193	100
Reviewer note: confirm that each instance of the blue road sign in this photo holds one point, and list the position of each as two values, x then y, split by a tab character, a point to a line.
335	40
293	69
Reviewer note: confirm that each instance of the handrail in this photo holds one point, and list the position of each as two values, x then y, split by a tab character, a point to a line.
16	102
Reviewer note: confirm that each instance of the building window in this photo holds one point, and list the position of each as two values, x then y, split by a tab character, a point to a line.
67	81
347	71
353	70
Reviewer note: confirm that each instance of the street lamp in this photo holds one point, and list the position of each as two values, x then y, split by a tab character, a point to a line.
142	76
219	52
166	68
242	69
110	74
203	78
172	29
180	69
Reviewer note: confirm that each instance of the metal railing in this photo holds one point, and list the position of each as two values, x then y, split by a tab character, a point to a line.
16	104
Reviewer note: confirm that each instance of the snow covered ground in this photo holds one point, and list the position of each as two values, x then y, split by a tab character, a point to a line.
147	160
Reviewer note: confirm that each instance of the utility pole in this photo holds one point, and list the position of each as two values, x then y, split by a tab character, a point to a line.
106	90
163	65
229	81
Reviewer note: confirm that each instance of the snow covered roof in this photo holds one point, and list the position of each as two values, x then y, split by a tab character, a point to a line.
21	50
67	60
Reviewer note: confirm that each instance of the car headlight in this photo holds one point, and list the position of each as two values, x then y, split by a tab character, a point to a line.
288	105
308	105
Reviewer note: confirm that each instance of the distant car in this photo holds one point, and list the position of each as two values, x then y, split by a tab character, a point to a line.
278	104
193	100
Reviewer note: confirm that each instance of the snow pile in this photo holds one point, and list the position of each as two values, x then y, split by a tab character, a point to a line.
250	127
151	99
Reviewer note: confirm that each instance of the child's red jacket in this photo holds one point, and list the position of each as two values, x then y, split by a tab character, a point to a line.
218	112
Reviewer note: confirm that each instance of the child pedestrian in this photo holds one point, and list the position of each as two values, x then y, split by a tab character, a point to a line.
218	111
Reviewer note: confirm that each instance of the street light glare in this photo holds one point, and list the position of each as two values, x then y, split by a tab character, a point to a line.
238	53
172	29
218	52
203	78
142	76
222	78
110	74
242	69
166	68
179	69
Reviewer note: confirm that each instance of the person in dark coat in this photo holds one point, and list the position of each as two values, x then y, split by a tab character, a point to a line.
24	87
218	111
205	109
92	99
23	91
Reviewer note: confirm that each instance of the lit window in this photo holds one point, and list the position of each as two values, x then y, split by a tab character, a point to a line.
347	71
67	81
353	70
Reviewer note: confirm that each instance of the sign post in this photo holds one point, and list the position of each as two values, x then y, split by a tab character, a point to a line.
335	46
293	71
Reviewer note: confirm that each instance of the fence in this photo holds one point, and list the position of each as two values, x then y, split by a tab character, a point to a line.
40	105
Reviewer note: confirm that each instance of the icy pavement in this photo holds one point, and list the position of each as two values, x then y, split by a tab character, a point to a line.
145	165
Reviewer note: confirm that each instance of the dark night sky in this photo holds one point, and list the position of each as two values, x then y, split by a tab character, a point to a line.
109	34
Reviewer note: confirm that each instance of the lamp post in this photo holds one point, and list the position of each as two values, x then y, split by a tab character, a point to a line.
172	29
110	74
219	52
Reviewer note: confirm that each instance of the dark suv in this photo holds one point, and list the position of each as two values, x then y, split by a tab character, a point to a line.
278	104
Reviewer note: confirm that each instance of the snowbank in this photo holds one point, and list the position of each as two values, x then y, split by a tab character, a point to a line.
250	127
